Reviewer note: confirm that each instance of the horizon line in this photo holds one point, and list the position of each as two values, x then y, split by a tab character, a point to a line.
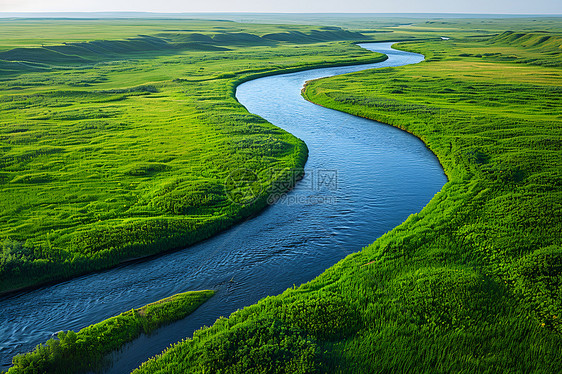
269	13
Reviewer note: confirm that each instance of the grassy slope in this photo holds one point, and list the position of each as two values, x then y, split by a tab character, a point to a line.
28	33
103	162
77	352
473	281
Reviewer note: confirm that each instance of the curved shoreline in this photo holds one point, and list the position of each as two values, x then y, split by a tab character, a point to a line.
373	124
253	249
300	161
241	80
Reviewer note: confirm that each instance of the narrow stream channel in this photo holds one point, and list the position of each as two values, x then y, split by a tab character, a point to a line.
362	179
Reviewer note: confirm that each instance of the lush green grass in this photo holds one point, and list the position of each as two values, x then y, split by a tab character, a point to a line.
77	352
533	48
472	283
26	33
168	42
117	136
118	149
126	150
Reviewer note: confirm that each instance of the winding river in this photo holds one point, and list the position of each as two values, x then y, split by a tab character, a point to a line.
362	179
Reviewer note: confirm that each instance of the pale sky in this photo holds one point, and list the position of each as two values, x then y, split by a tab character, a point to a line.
289	6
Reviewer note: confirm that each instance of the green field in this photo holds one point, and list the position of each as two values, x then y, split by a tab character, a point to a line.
118	138
472	283
118	149
74	352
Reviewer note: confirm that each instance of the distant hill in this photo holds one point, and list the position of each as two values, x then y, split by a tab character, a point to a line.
99	50
544	41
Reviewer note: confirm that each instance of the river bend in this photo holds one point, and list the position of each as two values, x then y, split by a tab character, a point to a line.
362	179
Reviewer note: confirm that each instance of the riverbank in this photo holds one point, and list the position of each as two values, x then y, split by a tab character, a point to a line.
76	352
475	274
258	204
122	189
300	240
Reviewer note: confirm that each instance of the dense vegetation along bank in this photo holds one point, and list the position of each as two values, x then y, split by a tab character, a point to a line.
119	149
77	352
472	282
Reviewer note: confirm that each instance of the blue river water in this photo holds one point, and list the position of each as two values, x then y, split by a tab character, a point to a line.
362	179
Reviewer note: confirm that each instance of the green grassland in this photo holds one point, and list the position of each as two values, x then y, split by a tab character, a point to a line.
29	33
116	149
472	283
117	137
84	350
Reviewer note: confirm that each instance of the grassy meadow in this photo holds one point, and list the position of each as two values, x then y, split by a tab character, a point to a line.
75	352
116	149
118	139
472	283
